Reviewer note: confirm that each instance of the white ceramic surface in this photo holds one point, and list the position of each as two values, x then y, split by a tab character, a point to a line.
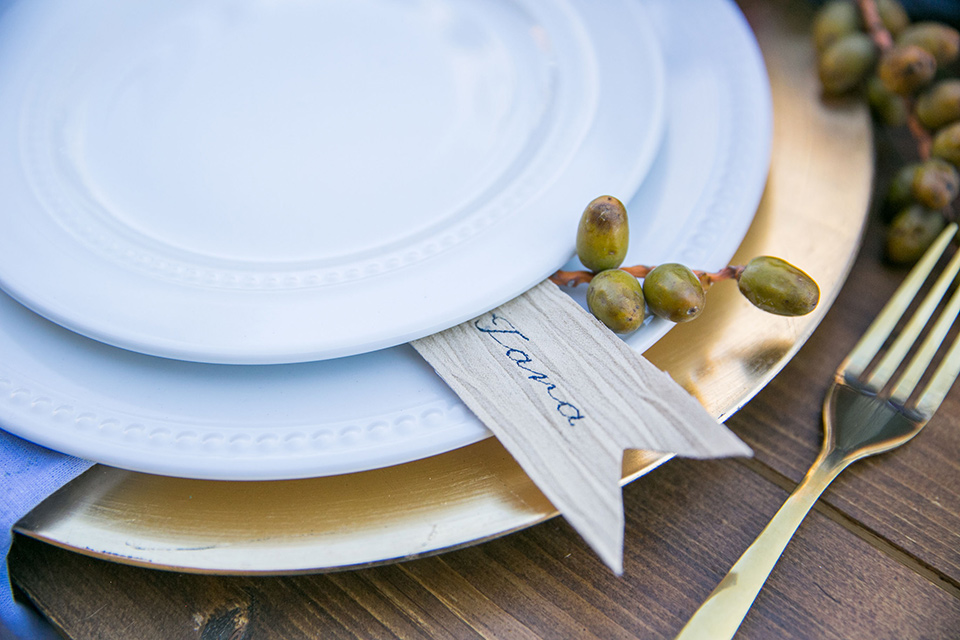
251	181
287	421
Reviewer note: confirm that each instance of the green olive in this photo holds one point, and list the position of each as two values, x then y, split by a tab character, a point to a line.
778	287
946	144
900	192
911	233
893	15
936	183
615	298
940	105
906	68
834	20
674	292
846	62
942	41
889	108
603	234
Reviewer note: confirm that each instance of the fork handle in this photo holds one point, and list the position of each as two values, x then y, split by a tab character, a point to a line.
727	605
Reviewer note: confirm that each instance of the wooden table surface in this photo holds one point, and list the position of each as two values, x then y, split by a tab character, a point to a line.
878	558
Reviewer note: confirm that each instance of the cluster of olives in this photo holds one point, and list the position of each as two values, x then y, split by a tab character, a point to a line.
906	70
671	291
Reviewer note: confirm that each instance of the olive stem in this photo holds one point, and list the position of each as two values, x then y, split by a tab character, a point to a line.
919	133
574	278
871	18
571	278
884	40
727	273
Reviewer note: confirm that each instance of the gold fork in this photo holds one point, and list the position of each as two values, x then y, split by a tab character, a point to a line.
866	411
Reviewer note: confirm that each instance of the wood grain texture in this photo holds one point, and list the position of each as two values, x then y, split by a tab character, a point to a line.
686	524
566	397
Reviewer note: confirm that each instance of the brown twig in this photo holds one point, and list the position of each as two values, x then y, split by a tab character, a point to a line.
638	271
919	132
874	24
574	278
571	278
727	273
884	41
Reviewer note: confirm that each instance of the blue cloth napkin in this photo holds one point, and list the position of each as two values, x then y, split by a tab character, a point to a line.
29	474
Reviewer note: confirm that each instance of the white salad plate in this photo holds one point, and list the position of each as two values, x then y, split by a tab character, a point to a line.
259	182
260	422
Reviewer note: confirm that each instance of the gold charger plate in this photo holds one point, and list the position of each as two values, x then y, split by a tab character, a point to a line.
812	213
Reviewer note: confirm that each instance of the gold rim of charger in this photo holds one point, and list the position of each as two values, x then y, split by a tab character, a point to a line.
812	214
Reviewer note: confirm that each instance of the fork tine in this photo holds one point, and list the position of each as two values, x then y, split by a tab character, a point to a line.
868	346
894	356
924	356
944	377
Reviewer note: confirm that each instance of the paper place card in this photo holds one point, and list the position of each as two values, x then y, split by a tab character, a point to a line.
566	396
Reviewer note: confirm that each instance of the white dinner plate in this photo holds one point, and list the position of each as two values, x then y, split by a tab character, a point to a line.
178	418
251	181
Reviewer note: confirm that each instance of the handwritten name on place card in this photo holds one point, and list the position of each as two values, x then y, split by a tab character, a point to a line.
565	397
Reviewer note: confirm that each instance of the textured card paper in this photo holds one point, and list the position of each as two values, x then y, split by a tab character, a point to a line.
565	396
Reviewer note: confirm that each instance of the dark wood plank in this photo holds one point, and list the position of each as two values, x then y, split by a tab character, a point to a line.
686	524
828	584
404	605
910	497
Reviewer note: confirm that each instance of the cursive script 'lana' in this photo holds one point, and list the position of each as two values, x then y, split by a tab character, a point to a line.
508	336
